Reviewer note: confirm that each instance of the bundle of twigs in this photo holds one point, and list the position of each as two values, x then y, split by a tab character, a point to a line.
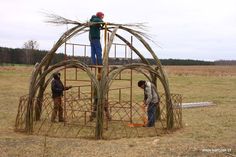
139	28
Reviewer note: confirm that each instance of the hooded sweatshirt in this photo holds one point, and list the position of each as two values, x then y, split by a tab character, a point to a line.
150	92
94	31
57	88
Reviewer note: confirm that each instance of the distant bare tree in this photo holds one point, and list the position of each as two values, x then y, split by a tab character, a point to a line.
30	46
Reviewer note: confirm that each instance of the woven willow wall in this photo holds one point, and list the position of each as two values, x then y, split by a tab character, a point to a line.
78	123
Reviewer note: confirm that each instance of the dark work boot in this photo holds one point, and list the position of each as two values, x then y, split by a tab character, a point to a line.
61	120
92	116
54	114
108	116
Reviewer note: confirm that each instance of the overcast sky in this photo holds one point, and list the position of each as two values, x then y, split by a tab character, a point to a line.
184	29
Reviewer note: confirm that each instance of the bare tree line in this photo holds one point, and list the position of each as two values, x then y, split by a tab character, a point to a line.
30	54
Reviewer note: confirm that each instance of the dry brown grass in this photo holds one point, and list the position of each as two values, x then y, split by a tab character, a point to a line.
209	128
202	70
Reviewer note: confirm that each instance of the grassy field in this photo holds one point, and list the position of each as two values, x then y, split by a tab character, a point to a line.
209	131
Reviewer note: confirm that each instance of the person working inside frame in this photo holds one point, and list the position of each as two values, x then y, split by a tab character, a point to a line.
57	92
151	100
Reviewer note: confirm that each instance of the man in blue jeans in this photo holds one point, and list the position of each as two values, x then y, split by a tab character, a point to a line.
94	37
151	100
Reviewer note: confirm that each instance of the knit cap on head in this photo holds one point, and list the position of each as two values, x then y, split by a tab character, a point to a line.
100	15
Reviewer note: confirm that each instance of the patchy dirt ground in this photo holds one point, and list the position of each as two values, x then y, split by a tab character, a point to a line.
166	145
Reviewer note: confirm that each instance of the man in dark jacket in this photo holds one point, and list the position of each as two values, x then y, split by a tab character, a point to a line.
57	92
94	37
151	100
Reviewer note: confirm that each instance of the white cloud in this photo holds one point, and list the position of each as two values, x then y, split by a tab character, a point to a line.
198	29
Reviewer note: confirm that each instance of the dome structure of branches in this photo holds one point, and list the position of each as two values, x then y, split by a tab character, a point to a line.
39	83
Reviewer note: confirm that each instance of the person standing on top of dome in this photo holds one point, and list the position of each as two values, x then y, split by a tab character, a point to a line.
94	38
